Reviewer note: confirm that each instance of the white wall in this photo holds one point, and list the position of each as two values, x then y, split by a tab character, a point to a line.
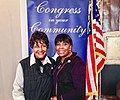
10	45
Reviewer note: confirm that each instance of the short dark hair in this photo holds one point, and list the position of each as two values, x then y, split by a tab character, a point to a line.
63	37
38	36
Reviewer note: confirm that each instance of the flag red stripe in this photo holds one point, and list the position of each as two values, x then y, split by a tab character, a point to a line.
87	70
92	56
99	30
92	61
88	79
100	64
100	51
98	40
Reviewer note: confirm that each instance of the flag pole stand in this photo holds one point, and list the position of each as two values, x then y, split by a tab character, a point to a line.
99	85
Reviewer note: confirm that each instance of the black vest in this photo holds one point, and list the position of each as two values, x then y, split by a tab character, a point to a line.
37	85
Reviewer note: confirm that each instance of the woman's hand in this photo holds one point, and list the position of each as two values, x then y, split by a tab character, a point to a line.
54	98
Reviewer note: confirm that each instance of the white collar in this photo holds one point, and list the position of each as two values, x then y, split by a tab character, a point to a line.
32	60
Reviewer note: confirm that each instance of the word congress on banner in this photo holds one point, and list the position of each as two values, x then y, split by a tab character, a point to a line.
57	16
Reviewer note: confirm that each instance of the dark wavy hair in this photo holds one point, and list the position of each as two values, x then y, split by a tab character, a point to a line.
63	38
38	36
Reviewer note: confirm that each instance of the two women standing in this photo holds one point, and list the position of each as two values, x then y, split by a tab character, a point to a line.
37	74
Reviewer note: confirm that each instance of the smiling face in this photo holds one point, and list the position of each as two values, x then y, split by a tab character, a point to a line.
39	49
63	49
39	43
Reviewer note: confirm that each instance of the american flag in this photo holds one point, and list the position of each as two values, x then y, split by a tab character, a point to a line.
96	55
